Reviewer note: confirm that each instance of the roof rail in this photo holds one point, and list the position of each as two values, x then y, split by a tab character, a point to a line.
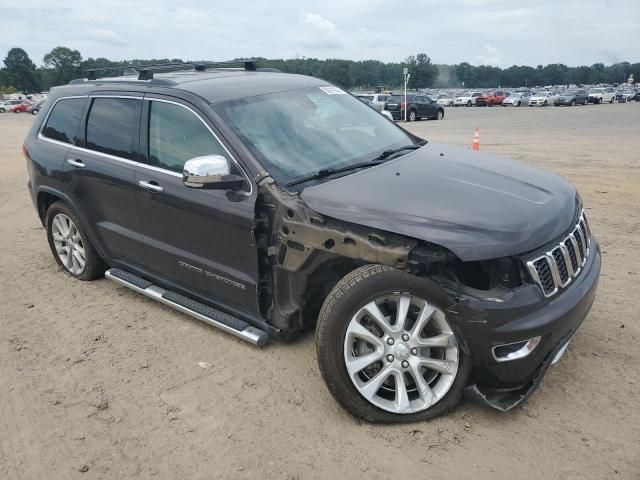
145	72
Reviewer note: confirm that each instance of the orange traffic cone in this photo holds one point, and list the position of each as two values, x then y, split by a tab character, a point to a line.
475	145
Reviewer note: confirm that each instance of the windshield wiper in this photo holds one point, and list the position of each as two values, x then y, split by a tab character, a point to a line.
388	153
326	172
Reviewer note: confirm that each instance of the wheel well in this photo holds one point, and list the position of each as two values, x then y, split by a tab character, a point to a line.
45	200
320	284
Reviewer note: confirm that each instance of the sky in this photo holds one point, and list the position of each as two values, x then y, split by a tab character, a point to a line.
482	32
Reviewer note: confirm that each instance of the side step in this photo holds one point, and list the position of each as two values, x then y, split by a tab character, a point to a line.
198	310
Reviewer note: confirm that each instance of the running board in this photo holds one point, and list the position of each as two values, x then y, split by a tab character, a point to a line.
205	313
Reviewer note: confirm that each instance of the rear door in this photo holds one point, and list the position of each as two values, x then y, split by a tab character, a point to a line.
99	175
201	241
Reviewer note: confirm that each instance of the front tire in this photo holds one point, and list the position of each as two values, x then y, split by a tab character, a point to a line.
70	245
440	115
469	103
386	349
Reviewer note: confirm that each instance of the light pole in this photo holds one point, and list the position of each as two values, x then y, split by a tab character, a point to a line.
407	75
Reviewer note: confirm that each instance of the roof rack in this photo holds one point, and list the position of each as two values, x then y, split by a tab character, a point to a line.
145	72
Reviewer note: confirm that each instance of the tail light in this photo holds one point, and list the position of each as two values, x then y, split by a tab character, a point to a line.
402	105
25	151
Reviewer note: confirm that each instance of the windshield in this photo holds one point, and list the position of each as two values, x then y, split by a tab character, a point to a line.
297	133
569	93
596	90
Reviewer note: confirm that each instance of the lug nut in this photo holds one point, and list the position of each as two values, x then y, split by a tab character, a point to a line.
405	337
390	341
414	351
389	358
405	364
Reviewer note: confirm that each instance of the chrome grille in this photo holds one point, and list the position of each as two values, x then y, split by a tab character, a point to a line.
561	264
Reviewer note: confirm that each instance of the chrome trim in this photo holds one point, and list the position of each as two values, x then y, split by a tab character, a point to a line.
567	261
580	233
576	250
132	162
150	186
250	334
553	266
526	349
76	163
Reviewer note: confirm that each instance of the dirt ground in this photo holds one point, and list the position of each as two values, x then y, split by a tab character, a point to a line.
100	382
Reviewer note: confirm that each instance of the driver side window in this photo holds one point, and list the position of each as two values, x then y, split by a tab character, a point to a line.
176	135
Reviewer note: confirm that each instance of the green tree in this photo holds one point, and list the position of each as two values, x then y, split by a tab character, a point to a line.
64	63
423	72
20	71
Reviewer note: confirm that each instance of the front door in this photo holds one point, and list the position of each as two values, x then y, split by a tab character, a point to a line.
199	240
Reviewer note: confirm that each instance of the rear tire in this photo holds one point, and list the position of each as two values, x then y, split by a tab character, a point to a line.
573	103
412	117
375	284
468	103
70	245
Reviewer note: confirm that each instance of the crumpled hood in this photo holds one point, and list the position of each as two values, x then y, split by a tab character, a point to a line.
477	205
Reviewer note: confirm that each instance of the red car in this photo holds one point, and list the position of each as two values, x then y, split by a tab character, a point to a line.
496	97
21	108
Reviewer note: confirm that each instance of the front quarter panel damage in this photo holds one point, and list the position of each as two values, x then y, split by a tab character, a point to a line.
302	254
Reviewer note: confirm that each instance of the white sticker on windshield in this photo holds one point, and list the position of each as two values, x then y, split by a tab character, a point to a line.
332	91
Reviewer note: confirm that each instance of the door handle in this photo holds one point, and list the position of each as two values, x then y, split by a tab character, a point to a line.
151	186
76	163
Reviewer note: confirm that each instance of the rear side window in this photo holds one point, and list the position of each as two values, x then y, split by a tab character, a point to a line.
176	135
64	120
111	126
382	98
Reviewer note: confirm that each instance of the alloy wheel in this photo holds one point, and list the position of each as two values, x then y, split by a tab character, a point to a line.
68	244
400	353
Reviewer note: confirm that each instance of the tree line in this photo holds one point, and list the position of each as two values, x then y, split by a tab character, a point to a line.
63	64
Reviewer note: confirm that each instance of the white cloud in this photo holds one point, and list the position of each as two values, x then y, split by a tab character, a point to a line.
318	32
101	35
491	32
492	56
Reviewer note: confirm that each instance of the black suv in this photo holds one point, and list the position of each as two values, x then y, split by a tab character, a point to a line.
419	106
265	203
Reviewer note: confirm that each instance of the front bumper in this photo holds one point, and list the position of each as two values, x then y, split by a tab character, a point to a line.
566	101
521	315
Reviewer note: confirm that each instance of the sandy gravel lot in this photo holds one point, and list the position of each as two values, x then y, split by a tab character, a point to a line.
94	377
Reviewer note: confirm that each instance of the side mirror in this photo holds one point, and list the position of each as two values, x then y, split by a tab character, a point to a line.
210	172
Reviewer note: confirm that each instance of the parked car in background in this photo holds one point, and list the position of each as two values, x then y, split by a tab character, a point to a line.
624	96
35	108
481	101
21	107
517	99
377	99
9	104
467	99
418	107
368	102
445	100
601	94
636	97
496	98
542	99
572	98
